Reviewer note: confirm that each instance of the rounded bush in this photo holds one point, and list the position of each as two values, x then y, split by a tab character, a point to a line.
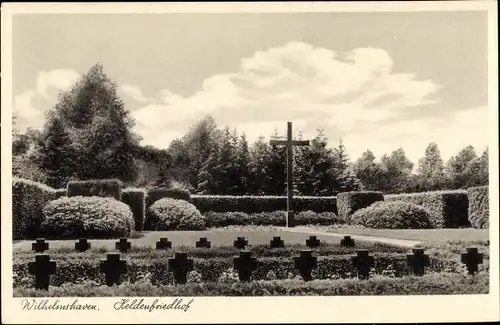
172	214
393	215
87	217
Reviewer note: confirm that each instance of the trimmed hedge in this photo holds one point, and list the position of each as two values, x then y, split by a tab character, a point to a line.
96	187
449	209
479	206
393	215
275	218
256	204
350	202
135	198
28	201
86	217
172	214
156	194
429	284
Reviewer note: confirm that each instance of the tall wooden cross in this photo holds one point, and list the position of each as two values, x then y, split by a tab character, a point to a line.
289	143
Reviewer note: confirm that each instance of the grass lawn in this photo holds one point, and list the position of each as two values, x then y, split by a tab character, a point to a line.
425	235
218	237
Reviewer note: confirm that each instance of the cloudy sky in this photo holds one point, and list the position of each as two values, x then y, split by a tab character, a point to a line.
379	81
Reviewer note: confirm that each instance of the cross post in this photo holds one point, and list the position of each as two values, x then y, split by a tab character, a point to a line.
42	268
472	259
305	263
123	245
82	245
164	243
289	143
240	243
203	242
312	242
245	264
347	241
40	245
112	267
363	262
180	265
417	261
277	242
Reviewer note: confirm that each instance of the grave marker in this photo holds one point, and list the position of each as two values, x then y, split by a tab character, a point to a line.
312	242
245	264
113	267
203	243
277	242
240	243
82	245
347	241
163	244
417	261
42	268
305	263
472	259
180	265
289	143
40	245
123	245
363	262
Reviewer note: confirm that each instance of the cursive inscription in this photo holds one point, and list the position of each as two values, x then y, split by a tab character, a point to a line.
138	304
47	304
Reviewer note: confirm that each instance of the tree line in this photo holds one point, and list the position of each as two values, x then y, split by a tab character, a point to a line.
88	134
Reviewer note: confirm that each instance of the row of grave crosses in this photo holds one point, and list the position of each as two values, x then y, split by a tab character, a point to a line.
113	267
123	245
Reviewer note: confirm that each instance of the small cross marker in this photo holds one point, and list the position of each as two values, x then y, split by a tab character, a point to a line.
347	241
82	245
240	243
312	242
123	245
245	264
472	259
113	267
163	244
417	261
305	263
40	245
203	242
180	265
277	242
42	268
363	262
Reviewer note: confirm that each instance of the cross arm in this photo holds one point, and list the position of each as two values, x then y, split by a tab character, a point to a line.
285	142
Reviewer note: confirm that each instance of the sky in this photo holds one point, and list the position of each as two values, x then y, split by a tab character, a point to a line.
378	81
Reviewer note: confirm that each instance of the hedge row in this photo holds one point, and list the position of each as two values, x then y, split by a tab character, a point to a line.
479	206
28	200
256	204
275	218
429	284
350	202
135	198
340	266
96	187
448	208
156	194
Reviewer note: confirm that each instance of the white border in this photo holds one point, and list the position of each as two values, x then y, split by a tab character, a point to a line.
262	309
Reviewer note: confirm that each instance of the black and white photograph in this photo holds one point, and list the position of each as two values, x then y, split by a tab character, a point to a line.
239	153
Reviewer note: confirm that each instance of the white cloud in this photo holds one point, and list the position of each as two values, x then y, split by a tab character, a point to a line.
135	93
31	105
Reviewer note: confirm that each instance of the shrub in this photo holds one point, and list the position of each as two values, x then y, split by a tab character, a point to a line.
172	214
60	192
393	215
448	208
275	218
176	193
89	217
135	198
479	206
96	187
256	204
350	202
28	200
